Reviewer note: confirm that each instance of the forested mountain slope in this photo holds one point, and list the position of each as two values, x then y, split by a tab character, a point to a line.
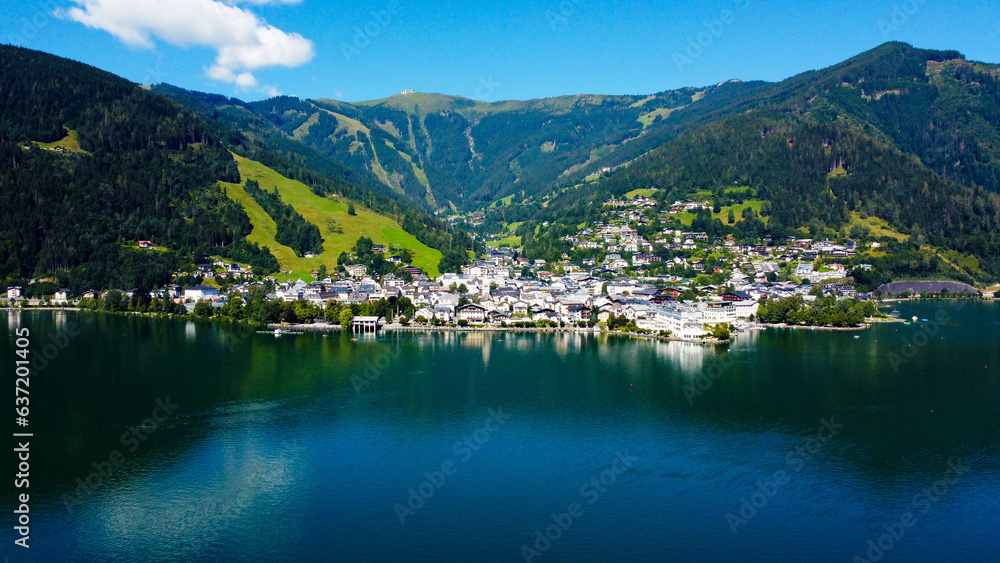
91	163
144	169
905	135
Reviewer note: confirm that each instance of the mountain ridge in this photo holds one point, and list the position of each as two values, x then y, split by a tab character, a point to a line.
141	167
931	119
523	147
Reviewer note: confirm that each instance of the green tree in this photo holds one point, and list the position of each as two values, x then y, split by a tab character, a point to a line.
304	311
363	247
234	309
732	217
405	307
453	260
203	309
721	332
331	313
351	210
114	301
140	300
346	318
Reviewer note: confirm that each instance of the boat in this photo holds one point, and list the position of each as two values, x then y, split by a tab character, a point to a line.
915	319
279	332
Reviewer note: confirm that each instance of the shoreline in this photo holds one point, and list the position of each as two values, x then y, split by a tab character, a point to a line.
827	328
324	327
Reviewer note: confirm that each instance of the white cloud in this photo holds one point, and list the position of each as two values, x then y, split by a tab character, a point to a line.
262	2
242	42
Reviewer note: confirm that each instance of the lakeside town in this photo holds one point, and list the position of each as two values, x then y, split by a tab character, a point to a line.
736	287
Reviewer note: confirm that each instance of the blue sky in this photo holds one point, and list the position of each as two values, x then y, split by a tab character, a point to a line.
485	50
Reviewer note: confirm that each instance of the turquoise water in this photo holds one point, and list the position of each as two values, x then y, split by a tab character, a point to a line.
469	447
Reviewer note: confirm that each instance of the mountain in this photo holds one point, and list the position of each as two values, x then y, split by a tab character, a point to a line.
898	143
447	152
91	163
906	136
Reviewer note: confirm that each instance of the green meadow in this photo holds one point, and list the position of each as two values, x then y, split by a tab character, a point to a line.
339	229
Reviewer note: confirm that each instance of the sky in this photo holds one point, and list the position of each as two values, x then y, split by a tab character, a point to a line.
486	50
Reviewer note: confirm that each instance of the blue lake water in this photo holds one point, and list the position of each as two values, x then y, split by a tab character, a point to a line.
473	447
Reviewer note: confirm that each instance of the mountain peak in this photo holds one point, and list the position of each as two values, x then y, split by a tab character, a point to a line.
413	102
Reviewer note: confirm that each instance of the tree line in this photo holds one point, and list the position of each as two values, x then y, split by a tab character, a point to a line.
292	228
824	311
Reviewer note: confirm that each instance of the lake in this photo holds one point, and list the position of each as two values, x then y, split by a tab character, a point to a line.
158	440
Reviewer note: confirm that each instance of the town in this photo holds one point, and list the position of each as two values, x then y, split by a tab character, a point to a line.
613	290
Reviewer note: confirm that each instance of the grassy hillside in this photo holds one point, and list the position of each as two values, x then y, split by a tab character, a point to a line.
441	152
340	231
69	143
133	166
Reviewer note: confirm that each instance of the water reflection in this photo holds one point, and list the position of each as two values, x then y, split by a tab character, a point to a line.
685	357
196	500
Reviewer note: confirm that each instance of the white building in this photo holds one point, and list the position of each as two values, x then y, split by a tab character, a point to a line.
472	313
719	312
200	292
356	270
683	321
746	309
